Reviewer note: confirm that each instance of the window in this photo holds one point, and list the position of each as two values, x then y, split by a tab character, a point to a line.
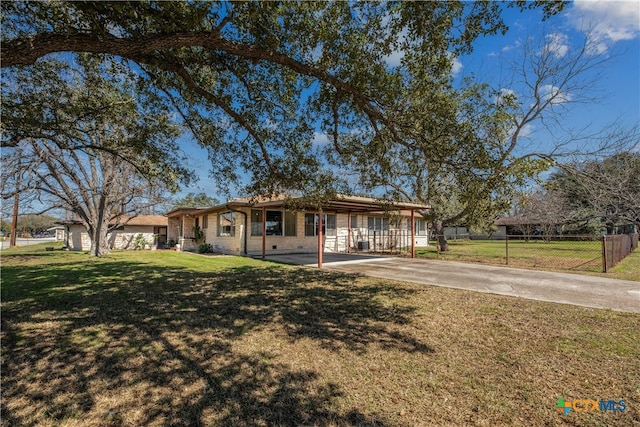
377	223
227	224
256	222
311	224
205	221
274	223
354	221
329	222
278	223
290	223
420	227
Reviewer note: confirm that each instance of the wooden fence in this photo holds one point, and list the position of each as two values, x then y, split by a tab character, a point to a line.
616	247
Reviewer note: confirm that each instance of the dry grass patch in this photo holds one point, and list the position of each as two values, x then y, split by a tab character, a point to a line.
169	339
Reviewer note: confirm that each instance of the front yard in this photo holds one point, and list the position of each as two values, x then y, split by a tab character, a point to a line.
143	338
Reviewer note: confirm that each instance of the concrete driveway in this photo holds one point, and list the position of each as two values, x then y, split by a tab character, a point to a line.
587	291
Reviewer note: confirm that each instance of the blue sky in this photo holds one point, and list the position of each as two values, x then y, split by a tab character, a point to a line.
615	31
614	28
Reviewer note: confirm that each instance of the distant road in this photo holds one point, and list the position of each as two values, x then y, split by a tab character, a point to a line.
26	242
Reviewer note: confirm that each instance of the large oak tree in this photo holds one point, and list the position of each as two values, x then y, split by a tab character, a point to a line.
253	80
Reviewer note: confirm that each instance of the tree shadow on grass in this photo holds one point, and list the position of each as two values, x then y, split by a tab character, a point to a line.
122	342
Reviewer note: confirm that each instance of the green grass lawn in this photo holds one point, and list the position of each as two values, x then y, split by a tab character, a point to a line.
573	256
166	338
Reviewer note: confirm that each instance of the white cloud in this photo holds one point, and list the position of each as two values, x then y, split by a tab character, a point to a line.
320	139
509	47
547	92
456	66
557	44
607	21
526	130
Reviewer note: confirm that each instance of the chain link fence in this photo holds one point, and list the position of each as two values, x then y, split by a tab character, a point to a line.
580	253
593	253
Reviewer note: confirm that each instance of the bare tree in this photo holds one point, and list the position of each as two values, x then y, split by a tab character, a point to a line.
550	210
468	154
86	146
606	191
100	188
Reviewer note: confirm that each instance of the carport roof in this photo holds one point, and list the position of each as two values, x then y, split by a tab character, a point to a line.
340	203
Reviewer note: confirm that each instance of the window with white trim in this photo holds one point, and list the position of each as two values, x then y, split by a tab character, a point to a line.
420	226
227	224
278	223
256	222
378	223
311	224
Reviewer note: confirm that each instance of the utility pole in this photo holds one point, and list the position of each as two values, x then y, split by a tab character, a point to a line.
14	221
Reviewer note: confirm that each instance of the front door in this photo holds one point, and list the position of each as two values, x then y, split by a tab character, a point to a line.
161	232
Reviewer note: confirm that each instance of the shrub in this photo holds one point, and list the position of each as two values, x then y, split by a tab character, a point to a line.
204	248
140	242
198	234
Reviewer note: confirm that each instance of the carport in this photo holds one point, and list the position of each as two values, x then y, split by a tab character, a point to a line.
346	205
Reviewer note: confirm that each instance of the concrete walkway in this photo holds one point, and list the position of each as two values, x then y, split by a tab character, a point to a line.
587	291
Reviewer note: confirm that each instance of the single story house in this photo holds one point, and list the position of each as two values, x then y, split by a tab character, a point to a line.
344	224
152	227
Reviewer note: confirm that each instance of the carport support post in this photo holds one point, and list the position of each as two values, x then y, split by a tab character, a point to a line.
413	234
264	232
320	238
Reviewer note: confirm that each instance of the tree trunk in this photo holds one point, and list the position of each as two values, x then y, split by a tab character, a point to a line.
99	239
442	239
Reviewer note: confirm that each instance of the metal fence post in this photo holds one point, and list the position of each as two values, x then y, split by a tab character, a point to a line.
506	247
604	253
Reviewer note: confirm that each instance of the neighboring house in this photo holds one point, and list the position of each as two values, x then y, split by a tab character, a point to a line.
152	227
58	230
503	227
462	232
348	224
